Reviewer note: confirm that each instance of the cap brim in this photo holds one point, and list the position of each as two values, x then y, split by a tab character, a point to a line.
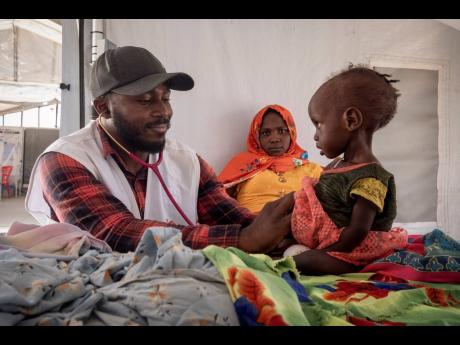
175	81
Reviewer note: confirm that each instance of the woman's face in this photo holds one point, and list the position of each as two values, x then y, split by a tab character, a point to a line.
274	134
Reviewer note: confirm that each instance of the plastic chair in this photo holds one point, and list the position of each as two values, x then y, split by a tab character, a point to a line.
6	172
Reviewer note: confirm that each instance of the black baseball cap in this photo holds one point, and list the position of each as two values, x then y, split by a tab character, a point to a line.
132	71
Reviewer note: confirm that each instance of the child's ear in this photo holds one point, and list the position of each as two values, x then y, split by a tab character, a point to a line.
353	118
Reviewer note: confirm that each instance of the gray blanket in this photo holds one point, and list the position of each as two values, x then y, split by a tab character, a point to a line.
162	283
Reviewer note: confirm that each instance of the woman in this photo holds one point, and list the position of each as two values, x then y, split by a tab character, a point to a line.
274	164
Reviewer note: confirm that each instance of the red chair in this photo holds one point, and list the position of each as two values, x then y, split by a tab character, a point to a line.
6	172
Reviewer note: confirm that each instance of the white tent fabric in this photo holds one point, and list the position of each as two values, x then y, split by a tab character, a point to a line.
30	63
412	153
240	66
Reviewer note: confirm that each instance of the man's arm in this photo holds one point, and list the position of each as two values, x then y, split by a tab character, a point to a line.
214	204
78	198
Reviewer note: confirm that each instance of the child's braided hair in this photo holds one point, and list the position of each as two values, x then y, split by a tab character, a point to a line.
373	91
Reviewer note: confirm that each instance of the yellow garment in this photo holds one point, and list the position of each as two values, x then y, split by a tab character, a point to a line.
268	186
370	189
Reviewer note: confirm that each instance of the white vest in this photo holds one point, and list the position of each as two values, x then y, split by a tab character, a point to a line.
180	170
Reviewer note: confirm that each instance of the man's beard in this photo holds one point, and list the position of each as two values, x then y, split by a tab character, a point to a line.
133	137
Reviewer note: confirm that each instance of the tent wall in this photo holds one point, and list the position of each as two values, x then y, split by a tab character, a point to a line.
240	66
414	157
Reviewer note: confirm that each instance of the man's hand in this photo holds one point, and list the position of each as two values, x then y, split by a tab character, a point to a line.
269	228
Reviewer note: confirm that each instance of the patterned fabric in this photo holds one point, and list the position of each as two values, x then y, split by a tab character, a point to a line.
333	191
312	227
434	257
271	292
268	186
246	164
166	283
76	197
362	300
162	283
372	190
263	291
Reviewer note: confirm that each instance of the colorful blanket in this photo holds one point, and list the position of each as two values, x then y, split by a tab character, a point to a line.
357	299
271	292
434	257
166	283
264	291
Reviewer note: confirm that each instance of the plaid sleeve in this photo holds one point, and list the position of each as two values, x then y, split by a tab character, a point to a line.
222	214
77	197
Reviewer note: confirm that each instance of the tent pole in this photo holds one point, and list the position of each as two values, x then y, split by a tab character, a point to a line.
81	54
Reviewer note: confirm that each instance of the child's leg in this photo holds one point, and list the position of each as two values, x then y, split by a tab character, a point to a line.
315	262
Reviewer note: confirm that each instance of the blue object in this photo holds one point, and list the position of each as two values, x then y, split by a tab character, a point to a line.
326	287
299	289
246	311
304	155
393	286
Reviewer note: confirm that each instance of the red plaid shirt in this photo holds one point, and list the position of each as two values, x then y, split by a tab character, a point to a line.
76	197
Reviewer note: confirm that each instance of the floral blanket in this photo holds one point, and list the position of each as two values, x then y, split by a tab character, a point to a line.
162	283
271	292
166	283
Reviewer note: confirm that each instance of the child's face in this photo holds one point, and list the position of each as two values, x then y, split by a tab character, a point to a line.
331	135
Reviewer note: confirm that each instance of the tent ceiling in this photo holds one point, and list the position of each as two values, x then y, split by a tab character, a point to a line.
30	63
454	23
57	21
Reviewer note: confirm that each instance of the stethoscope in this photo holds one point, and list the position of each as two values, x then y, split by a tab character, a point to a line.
153	167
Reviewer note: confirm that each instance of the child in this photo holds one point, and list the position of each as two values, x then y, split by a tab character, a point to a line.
345	218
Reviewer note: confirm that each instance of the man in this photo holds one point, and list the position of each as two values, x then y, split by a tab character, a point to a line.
97	178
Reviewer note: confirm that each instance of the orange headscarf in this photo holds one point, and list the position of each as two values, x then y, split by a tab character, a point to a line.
255	159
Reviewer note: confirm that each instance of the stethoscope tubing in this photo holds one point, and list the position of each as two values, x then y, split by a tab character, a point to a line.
154	168
156	171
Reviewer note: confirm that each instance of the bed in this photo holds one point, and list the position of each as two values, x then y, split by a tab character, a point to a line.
60	275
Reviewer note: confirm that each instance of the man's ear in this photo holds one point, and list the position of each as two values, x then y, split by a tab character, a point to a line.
353	118
101	107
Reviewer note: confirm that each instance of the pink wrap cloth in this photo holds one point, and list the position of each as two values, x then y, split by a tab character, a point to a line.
57	239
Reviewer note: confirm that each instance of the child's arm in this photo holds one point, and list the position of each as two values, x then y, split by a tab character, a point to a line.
362	217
